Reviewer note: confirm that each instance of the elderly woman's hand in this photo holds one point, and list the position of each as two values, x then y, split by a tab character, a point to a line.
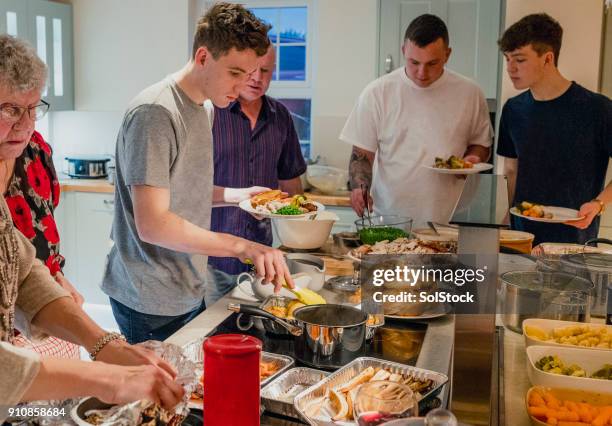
122	353
127	384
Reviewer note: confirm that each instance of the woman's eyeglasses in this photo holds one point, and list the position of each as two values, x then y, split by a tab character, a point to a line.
12	113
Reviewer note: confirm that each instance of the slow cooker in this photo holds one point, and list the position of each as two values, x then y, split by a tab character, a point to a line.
90	167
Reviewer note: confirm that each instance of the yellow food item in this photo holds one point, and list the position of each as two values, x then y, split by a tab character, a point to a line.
362	377
338	401
277	311
536	332
587	335
292	306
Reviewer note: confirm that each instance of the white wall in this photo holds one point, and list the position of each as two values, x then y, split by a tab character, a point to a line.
124	46
345	47
120	47
580	54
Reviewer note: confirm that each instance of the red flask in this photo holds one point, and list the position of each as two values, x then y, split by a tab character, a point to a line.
231	380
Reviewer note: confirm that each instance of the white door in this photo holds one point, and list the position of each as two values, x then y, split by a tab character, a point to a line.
93	226
473	26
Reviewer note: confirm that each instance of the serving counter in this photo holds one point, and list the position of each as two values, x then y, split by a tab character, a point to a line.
68	184
430	342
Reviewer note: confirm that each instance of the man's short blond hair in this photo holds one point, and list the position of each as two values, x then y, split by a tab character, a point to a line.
21	70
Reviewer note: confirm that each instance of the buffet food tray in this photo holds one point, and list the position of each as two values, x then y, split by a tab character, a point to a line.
352	369
193	351
277	397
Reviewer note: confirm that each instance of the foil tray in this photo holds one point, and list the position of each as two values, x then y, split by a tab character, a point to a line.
194	352
277	397
350	370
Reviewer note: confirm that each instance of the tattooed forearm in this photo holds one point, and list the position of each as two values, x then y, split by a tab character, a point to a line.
360	168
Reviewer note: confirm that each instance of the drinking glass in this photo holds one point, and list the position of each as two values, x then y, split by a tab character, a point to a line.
380	401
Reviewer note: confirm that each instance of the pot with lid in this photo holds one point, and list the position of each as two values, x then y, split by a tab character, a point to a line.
595	267
537	294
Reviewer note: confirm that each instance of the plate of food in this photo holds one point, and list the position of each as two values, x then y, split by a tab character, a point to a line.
539	331
454	165
434	311
278	204
548	406
569	368
548	214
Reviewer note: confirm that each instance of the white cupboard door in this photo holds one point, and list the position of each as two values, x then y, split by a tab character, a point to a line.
93	226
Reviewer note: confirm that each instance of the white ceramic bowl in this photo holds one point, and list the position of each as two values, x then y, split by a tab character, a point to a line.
328	180
548	326
304	233
589	361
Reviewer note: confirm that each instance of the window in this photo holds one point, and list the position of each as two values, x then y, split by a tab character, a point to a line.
47	26
291	80
11	23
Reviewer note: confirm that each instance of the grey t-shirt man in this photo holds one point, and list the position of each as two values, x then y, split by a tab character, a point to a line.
165	141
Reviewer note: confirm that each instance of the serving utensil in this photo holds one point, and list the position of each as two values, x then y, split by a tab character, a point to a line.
433	228
306	295
364	193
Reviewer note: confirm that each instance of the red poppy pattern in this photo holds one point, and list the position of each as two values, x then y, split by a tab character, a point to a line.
32	195
22	216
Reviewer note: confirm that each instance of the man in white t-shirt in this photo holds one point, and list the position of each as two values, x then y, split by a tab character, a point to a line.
405	119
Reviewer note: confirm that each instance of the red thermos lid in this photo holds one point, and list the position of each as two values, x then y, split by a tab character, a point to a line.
231	380
232	344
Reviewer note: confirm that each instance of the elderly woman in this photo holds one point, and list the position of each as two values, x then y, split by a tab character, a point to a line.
28	289
27	176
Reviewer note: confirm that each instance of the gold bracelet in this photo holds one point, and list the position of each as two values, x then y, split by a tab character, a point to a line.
602	206
103	341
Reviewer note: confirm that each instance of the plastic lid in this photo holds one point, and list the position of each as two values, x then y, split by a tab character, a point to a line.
232	344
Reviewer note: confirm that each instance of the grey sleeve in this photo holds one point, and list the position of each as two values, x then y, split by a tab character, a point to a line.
18	369
148	147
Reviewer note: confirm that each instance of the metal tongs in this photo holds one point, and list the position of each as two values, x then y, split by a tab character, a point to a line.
366	199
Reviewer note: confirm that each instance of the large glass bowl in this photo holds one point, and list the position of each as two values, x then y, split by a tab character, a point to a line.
385	227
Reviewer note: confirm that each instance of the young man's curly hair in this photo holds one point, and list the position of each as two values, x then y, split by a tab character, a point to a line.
540	30
225	26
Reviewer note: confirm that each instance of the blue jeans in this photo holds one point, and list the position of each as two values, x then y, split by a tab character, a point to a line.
138	327
218	284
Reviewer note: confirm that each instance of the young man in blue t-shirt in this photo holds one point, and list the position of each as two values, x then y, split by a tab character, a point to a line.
556	137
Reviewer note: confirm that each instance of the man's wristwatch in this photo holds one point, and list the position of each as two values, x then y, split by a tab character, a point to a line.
602	206
103	341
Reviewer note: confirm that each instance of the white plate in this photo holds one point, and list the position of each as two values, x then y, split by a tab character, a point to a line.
560	215
589	361
436	311
477	168
548	325
246	206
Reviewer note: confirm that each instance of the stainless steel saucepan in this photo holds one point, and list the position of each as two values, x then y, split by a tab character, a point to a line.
325	336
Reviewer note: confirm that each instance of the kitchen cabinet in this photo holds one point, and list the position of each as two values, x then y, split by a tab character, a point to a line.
46	25
84	222
473	26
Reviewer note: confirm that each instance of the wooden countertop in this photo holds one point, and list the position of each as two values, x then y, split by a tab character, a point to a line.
103	186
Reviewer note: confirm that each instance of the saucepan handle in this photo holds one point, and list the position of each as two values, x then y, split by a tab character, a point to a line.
598	240
257	312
